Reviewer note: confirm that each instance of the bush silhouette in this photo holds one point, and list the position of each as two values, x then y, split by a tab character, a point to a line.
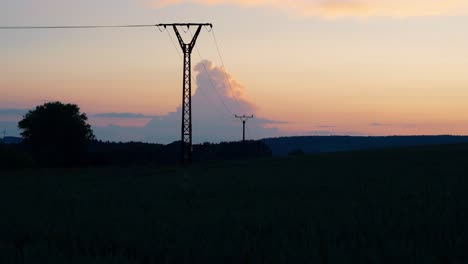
58	133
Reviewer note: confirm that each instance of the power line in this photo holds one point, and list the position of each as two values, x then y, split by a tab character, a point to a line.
79	27
186	131
224	67
193	77
244	118
202	91
187	48
173	44
211	81
217	46
180	57
212	84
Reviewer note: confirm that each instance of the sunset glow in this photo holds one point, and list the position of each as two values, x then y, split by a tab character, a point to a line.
304	68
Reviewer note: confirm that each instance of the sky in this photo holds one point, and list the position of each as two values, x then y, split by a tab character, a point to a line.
306	67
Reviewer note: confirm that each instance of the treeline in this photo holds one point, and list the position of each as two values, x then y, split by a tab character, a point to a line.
135	153
99	153
319	144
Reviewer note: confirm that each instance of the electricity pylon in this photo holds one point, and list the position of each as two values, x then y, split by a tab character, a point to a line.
186	134
244	119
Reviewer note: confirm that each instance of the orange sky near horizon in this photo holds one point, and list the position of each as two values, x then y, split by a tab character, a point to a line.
383	74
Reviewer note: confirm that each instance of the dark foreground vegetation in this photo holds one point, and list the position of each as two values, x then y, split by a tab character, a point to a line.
384	206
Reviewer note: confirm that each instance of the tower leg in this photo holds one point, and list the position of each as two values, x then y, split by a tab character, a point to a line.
186	133
186	140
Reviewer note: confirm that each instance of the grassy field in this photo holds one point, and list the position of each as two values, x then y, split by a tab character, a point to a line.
383	206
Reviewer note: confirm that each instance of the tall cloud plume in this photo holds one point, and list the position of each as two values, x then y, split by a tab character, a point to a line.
217	98
344	8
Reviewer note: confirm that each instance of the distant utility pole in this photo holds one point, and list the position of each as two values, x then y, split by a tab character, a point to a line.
244	119
4	135
186	135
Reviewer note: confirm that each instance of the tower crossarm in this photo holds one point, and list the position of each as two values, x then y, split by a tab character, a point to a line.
185	24
244	117
187	47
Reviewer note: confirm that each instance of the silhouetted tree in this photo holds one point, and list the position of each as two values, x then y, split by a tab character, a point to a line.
57	132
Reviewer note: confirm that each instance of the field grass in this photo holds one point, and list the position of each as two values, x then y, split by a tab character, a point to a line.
383	206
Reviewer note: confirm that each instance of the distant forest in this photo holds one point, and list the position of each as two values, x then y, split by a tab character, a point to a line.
318	144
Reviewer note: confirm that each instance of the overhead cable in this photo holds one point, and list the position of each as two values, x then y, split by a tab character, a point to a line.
78	27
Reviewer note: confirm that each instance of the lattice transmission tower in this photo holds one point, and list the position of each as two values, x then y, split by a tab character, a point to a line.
187	48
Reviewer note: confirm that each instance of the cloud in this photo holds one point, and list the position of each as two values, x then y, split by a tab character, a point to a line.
320	133
122	115
333	133
13	112
269	121
344	8
217	98
375	124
